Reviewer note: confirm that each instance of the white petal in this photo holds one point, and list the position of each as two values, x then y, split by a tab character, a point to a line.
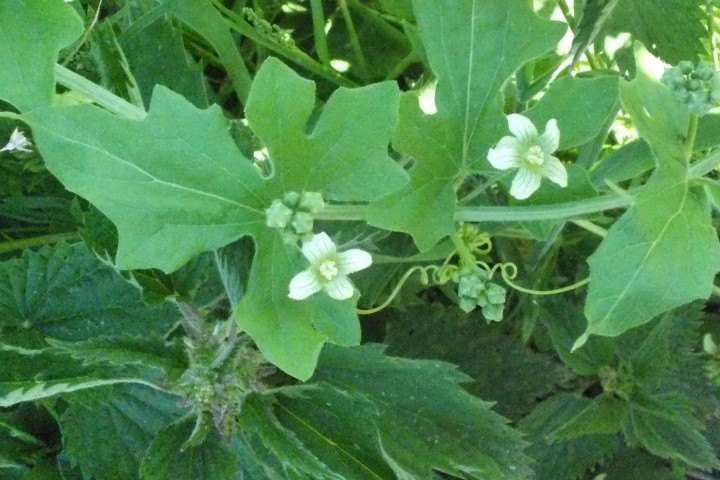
318	248
506	155
353	260
522	128
550	140
304	284
339	288
555	171
525	183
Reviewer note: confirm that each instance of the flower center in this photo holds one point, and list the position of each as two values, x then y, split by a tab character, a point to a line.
535	155
328	269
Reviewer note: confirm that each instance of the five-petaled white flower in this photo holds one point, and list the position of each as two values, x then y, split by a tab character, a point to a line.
17	142
531	154
328	269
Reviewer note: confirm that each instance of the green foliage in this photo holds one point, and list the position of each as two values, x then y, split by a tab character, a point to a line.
164	164
454	141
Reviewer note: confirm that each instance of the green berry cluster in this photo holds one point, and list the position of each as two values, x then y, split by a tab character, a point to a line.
294	215
698	87
267	29
476	290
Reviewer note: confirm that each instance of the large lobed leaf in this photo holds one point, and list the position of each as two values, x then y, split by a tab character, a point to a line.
28	53
473	47
175	185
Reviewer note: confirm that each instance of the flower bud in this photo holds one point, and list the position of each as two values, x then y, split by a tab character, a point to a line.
311	202
278	215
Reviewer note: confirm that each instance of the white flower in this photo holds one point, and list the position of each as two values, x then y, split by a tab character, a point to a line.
531	154
328	269
17	142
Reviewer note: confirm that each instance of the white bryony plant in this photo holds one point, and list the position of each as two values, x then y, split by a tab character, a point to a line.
531	154
17	142
328	269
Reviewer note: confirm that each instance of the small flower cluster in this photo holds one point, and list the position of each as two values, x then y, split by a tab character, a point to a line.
329	269
294	215
18	142
476	290
698	87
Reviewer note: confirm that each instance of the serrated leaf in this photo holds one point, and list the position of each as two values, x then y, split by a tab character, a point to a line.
108	434
503	370
603	415
124	167
166	459
671	29
565	322
27	76
594	15
563	460
150	351
667	428
66	293
426	420
18	392
339	427
636	273
636	464
277	448
472	47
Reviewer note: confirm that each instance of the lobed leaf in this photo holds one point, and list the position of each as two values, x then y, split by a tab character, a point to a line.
28	53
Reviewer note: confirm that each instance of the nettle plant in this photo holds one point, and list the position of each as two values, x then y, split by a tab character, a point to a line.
359	240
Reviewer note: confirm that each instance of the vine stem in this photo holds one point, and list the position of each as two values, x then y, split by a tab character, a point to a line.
562	4
558	211
318	20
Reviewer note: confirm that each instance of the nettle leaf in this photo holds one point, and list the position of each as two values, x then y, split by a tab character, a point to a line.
563	459
665	425
426	421
503	370
28	53
636	272
648	22
151	351
473	47
339	427
565	323
169	459
277	448
145	176
66	293
108	433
